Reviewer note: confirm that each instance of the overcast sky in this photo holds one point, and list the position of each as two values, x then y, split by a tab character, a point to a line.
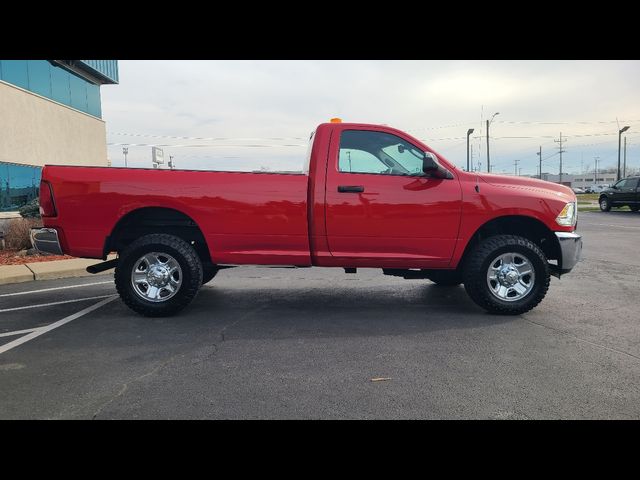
245	115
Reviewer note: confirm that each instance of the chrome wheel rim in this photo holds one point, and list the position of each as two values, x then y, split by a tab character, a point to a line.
510	277
603	205
156	277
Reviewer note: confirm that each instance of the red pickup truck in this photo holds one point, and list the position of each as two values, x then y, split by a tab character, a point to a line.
370	196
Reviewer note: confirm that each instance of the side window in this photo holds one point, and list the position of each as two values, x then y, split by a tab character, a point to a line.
366	151
632	183
358	161
621	184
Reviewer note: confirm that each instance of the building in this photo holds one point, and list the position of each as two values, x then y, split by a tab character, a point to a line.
589	179
51	114
580	181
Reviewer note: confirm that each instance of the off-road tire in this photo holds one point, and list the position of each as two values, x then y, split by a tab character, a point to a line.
605	204
181	251
478	262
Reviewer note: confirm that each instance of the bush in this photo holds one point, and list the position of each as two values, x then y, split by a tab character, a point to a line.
31	209
17	235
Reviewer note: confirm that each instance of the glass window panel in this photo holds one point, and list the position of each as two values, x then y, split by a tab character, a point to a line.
60	91
363	151
40	77
78	93
15	72
93	100
19	184
359	161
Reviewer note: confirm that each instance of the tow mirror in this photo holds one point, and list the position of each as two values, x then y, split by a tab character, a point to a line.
429	164
431	168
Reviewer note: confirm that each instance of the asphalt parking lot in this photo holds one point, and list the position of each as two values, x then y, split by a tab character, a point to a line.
306	343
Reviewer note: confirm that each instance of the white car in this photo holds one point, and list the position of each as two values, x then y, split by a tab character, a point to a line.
597	188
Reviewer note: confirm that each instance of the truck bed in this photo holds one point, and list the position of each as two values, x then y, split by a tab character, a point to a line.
244	216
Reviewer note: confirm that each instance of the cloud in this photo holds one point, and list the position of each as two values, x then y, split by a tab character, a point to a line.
277	103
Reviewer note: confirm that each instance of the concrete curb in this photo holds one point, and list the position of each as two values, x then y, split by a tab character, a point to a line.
74	267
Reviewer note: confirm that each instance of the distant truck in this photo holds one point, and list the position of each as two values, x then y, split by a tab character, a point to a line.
369	196
624	193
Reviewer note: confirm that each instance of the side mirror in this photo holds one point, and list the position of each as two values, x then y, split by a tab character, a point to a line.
431	168
429	164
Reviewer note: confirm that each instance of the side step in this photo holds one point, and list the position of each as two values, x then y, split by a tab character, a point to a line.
101	267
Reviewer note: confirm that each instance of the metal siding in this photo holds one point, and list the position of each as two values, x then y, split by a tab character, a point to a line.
107	68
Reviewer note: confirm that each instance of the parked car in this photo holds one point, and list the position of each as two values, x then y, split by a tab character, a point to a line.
578	190
597	188
373	197
624	193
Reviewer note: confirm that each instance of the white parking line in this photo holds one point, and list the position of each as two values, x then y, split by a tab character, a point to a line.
54	288
53	303
611	225
42	330
17	332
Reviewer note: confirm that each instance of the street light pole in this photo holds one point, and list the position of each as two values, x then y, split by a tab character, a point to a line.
489	123
620	132
125	150
624	159
469	132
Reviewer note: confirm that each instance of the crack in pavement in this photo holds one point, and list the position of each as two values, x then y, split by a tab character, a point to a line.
220	334
125	386
563	332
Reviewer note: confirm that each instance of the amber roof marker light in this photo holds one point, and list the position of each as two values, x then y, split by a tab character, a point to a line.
336	120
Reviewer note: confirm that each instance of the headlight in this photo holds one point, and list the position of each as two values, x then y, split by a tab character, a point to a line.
568	215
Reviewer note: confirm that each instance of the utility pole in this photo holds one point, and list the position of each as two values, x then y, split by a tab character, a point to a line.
515	164
624	165
489	123
561	152
596	169
540	162
125	151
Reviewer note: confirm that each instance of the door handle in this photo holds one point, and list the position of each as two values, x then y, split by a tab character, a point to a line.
350	188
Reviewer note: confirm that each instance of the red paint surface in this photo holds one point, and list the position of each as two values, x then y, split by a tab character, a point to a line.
289	219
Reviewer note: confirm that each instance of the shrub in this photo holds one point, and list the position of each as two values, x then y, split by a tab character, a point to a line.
31	209
17	235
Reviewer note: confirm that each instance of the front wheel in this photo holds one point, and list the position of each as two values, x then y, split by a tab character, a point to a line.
507	275
605	204
158	275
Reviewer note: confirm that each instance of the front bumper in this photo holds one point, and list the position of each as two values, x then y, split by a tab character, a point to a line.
45	240
570	250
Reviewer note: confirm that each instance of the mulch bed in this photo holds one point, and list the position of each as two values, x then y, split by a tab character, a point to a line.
11	257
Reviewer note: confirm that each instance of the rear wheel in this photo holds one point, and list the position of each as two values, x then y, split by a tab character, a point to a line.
507	275
158	275
605	204
634	208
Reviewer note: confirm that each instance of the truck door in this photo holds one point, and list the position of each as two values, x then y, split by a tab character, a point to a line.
379	204
624	192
